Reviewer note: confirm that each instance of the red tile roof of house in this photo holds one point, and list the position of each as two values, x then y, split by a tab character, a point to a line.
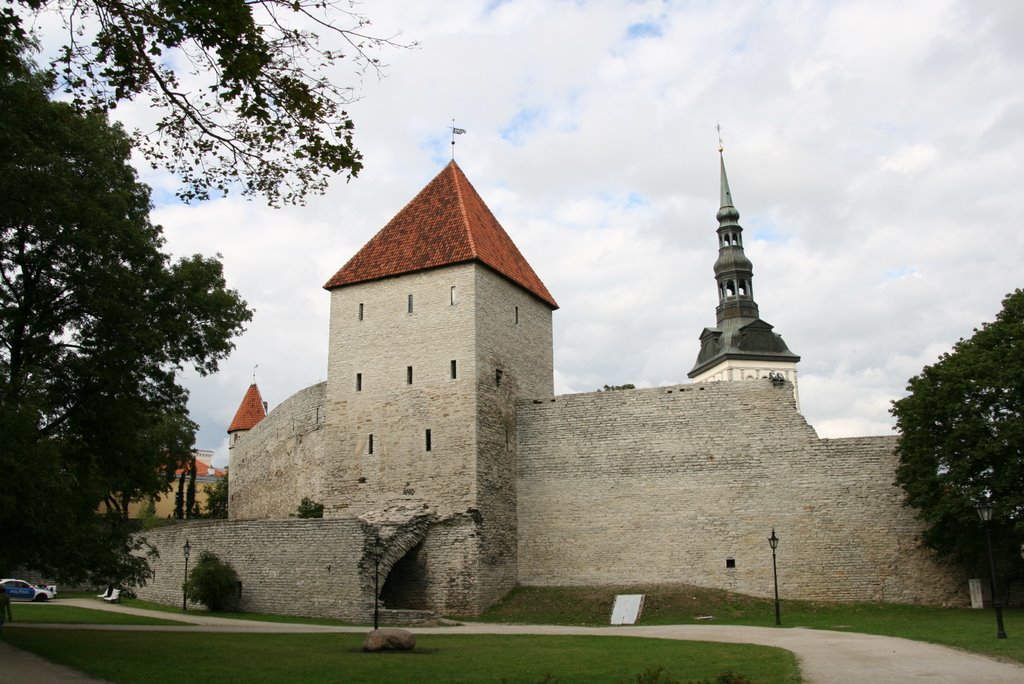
446	223
250	411
202	470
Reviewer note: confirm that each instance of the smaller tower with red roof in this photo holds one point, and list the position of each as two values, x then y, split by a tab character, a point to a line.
250	412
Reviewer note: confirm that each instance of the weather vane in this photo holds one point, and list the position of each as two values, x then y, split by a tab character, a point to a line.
254	367
721	145
455	132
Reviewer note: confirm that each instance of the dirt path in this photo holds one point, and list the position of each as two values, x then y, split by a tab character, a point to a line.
825	657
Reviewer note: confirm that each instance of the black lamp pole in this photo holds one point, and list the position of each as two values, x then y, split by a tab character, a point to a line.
773	542
187	548
378	551
985	513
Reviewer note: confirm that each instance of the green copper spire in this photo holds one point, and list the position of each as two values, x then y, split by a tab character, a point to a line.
727	214
740	334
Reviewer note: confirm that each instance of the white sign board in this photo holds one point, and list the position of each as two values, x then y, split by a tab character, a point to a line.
627	609
977	596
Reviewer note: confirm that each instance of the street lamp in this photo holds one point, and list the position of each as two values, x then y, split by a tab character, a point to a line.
773	542
187	549
378	552
985	513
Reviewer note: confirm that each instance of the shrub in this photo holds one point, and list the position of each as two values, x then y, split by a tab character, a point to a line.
310	509
212	582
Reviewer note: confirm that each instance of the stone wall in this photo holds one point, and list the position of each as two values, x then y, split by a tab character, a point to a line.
311	567
685	483
325	567
374	340
447	351
514	339
281	460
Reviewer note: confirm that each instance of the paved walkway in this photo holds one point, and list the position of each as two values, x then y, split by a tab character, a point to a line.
825	657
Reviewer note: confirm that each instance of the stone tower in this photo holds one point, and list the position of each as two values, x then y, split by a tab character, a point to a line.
250	412
438	324
741	346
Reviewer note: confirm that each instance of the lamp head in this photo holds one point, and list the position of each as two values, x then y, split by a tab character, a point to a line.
187	548
773	541
984	510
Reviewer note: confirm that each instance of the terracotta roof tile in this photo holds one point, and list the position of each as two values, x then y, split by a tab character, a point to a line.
250	411
446	223
202	470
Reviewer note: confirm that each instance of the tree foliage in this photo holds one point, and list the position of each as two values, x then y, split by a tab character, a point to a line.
96	322
962	439
612	388
212	582
310	509
217	498
247	90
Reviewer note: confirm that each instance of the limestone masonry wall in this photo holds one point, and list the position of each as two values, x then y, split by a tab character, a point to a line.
513	331
289	567
281	460
685	483
374	340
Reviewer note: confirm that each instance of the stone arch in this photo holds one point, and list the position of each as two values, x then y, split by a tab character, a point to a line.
400	530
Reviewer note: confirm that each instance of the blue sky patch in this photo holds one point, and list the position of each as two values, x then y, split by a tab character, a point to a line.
645	29
524	122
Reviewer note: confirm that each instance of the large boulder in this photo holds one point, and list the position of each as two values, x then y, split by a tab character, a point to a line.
389	639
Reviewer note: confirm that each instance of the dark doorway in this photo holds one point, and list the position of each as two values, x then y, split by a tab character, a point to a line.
406	584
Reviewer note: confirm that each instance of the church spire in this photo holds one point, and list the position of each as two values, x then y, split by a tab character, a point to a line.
741	346
726	193
733	271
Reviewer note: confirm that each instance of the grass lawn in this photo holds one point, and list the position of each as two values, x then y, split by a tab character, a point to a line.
54	613
159	658
972	630
175	610
330	658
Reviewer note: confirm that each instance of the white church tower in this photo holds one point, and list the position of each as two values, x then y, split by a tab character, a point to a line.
741	346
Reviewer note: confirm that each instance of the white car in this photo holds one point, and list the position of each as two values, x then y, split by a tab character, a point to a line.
20	589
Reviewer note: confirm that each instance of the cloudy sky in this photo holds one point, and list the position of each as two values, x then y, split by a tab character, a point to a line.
875	153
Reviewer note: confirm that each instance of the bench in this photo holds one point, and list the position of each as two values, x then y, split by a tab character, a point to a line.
114	597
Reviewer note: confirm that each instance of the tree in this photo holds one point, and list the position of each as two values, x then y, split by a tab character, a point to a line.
962	440
217	498
96	322
612	388
310	509
254	100
212	582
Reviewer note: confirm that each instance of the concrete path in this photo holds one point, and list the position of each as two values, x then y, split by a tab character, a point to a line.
825	657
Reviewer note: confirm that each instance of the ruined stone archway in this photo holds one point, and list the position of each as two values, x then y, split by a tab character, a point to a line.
401	530
406	586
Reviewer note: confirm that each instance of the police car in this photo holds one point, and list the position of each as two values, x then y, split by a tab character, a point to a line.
20	589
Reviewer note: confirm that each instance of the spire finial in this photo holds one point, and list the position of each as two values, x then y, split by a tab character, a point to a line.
727	213
455	131
254	367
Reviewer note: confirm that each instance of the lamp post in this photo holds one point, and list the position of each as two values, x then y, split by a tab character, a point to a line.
985	513
187	549
378	552
773	542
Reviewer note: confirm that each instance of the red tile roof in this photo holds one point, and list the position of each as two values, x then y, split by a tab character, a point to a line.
202	470
446	223
250	411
